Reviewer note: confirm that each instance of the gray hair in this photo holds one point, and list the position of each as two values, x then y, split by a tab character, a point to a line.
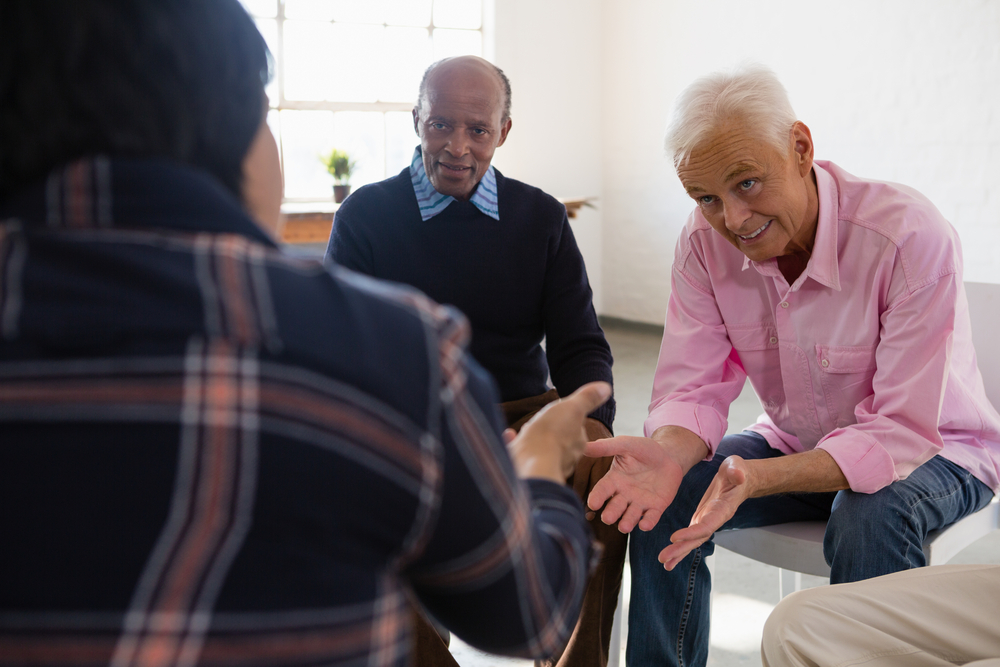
504	84
749	93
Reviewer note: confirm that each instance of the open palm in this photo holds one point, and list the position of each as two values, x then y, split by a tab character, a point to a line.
723	497
641	483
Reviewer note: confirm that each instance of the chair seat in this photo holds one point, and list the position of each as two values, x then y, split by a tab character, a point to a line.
794	546
798	546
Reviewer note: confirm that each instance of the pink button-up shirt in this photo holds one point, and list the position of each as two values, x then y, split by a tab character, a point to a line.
868	355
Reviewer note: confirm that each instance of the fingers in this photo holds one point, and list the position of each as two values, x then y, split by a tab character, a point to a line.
677	551
600	494
650	519
698	532
630	519
614	510
600	448
589	397
508	435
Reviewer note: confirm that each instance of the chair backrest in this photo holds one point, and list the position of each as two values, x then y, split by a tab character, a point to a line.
984	311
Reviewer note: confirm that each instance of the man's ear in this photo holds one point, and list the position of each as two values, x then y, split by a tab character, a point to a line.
802	144
416	120
504	129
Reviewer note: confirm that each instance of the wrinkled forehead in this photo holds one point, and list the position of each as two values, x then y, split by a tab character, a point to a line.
724	155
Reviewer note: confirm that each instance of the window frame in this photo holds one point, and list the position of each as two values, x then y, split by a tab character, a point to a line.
283	104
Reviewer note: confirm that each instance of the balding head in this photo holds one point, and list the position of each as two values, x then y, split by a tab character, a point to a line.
462	116
450	65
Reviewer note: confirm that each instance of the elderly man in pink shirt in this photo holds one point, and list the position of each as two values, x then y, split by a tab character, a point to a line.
841	299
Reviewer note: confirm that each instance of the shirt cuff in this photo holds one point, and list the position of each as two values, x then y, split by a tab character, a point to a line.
865	463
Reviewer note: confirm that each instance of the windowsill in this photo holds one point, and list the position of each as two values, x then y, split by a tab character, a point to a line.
311	222
307	222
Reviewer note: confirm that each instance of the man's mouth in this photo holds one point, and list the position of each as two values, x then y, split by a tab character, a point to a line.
757	233
454	168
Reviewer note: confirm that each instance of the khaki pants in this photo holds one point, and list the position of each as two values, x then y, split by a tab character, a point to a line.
926	617
588	646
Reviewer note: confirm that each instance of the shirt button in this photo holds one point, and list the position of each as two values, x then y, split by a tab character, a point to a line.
825	363
784	304
774	340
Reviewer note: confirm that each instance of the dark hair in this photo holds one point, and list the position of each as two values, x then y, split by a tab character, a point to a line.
181	79
504	82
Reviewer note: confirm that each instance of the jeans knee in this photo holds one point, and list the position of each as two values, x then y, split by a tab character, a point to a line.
863	516
869	535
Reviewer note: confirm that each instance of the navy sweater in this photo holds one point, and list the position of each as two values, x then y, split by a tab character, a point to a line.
518	280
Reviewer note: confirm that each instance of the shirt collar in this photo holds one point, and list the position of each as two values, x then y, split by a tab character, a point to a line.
823	266
432	202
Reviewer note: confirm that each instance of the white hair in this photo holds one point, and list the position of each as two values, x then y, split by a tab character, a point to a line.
750	94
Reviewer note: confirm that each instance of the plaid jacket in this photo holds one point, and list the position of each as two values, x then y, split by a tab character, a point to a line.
214	454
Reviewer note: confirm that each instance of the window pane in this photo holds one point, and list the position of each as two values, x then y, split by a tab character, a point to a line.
362	135
408	12
400	140
458	13
308	54
358	11
316	10
407	54
449	43
355	68
269	29
304	136
265	8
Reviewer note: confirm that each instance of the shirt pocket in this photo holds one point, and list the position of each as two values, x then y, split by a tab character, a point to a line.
759	352
846	374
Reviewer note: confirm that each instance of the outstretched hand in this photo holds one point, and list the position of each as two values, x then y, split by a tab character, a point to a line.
551	443
723	497
641	483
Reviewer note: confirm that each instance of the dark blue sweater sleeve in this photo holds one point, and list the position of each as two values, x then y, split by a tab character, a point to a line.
506	562
575	345
347	247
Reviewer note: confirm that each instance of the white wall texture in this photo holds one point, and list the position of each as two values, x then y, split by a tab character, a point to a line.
899	90
551	51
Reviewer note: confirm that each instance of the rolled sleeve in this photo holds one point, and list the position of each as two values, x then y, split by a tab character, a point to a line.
897	426
698	374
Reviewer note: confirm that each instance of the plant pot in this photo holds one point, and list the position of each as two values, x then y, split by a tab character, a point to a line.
340	193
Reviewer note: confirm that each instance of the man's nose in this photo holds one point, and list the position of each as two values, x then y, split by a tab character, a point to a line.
736	213
458	144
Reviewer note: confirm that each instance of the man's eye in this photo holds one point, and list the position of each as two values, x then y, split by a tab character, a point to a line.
705	200
478	130
438	126
747	184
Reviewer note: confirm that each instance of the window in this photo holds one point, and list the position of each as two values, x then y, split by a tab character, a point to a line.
346	76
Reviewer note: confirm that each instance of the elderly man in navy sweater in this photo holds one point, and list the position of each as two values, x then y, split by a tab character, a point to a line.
502	252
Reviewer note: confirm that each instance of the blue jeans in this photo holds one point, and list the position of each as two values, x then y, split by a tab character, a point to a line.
867	535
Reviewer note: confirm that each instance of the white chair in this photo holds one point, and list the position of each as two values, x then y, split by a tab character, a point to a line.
797	548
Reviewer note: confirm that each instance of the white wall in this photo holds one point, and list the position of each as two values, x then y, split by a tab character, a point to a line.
551	51
900	90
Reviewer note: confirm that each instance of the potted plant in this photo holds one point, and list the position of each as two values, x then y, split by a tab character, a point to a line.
340	165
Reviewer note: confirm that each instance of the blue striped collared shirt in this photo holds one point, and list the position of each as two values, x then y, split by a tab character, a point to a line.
432	202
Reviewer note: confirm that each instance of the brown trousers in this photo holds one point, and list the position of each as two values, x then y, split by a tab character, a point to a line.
589	644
